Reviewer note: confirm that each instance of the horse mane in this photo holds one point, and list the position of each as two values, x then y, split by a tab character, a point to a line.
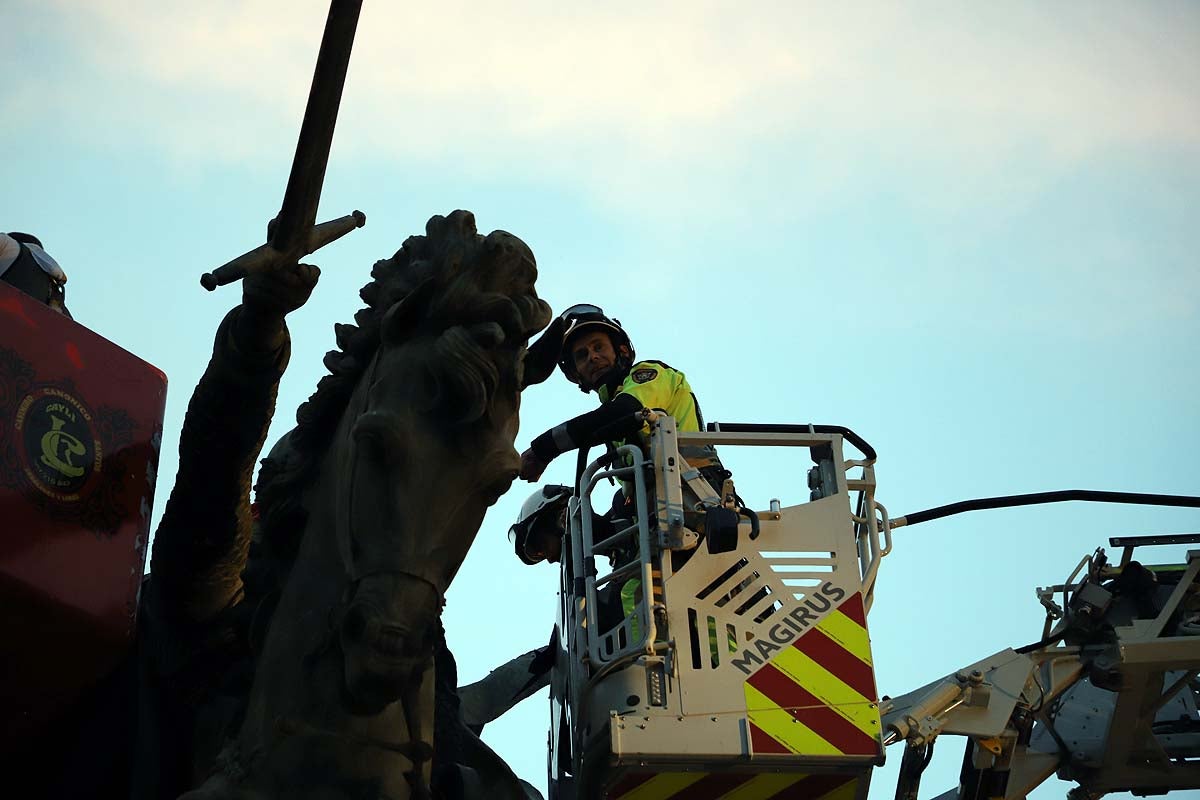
447	258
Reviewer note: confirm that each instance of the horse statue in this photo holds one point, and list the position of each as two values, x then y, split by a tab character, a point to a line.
367	510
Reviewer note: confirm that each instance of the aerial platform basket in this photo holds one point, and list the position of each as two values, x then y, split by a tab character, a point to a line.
739	674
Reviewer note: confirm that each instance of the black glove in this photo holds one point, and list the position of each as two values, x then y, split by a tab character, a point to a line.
542	356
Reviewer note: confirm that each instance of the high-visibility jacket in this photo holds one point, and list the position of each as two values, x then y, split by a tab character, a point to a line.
647	384
658	386
631	598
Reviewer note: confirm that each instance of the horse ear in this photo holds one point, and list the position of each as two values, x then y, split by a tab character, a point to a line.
399	320
542	355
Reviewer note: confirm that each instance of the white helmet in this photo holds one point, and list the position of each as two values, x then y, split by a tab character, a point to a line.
541	507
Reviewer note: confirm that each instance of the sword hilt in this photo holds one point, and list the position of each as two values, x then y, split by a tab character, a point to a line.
266	257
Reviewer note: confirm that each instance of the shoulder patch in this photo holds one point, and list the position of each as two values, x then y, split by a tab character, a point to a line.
644	375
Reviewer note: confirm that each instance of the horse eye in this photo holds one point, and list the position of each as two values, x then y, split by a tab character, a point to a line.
379	434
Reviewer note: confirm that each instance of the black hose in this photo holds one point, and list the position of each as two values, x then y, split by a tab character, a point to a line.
928	754
1066	495
753	517
580	465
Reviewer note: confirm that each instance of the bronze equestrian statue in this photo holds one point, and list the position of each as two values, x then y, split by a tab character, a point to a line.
294	657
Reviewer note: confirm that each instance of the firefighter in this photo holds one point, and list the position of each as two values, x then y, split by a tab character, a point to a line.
598	356
25	265
537	535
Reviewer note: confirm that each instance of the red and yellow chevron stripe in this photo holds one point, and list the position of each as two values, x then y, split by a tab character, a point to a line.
817	697
732	786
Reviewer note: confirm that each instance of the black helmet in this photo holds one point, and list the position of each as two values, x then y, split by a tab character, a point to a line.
580	318
542	507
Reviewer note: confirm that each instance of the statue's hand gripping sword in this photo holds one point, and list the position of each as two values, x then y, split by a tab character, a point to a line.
294	233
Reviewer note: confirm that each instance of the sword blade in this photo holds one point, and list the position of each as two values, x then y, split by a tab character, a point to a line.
298	214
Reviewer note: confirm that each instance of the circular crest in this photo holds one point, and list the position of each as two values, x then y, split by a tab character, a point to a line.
60	452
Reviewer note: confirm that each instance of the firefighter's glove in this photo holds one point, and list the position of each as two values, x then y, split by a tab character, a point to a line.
542	355
532	466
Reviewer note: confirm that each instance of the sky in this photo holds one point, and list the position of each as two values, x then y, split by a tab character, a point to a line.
968	231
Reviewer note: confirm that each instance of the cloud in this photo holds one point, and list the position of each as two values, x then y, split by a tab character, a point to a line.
665	81
952	121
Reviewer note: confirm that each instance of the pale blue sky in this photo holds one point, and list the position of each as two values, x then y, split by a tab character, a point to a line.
966	230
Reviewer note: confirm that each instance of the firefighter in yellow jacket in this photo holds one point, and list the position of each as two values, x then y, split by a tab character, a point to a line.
597	356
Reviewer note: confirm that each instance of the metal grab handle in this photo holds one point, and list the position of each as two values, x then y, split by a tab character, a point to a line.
742	427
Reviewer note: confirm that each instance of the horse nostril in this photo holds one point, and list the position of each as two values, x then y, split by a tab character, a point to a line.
390	641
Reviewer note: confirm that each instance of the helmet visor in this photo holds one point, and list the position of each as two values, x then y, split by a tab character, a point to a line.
579	309
524	546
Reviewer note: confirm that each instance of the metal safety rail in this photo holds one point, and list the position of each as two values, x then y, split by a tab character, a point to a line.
830	476
634	633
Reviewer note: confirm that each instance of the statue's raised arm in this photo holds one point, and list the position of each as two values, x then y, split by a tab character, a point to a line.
201	543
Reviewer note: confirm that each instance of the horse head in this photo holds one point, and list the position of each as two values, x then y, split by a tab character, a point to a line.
428	440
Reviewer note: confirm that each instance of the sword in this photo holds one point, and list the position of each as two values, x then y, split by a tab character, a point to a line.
294	233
